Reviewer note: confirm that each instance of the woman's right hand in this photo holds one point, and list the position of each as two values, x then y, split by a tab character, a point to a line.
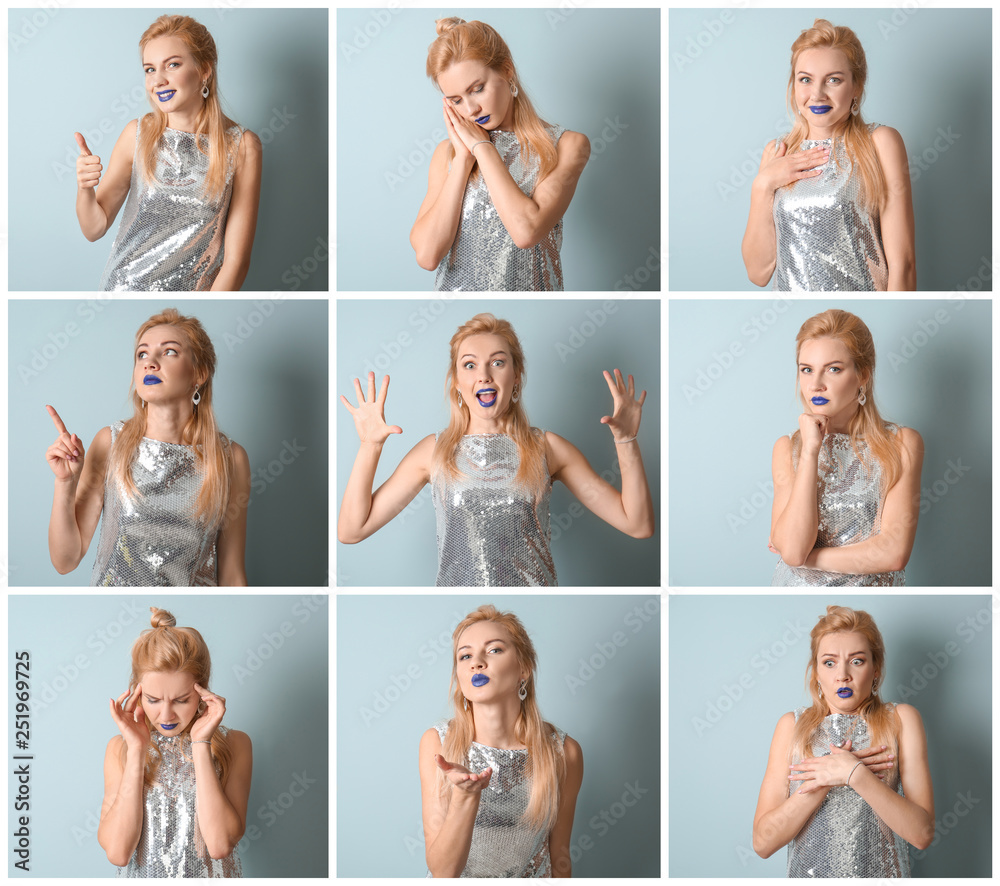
66	455
130	719
877	759
812	427
462	779
88	167
369	414
784	168
462	151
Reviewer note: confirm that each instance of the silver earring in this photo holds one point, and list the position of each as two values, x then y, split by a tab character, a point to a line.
522	693
819	688
465	703
196	399
459	398
516	395
854	108
204	89
862	399
513	89
874	686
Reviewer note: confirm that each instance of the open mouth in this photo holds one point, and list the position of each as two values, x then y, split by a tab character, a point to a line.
482	121
152	380
166	95
820	109
480	680
487	397
819	401
845	692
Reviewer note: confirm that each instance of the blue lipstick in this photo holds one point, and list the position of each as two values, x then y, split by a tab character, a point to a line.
820	109
480	680
152	380
819	401
166	95
845	692
164	726
488	401
482	121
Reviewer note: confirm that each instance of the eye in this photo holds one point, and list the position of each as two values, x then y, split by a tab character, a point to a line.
172	351
858	661
496	649
836	369
828	662
463	656
803	79
468	365
805	369
835	79
455	101
151	699
140	355
498	362
481	88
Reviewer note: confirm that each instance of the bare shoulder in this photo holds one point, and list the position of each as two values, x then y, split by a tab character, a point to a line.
573	751
239	741
250	147
442	153
783	446
430	741
769	151
784	729
911	440
559	452
889	146
112	754
886	135
909	716
240	456
423	451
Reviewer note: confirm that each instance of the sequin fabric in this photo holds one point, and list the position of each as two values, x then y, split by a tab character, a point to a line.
155	539
502	846
171	843
844	837
850	510
483	256
490	532
827	241
171	236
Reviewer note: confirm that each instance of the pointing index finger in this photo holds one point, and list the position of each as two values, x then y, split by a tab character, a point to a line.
58	422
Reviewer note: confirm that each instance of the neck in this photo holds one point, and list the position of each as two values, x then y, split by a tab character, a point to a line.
494	724
183	121
478	425
166	421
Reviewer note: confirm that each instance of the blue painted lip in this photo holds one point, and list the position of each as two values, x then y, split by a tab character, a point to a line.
820	109
166	95
819	401
174	726
480	680
152	380
845	692
488	403
482	121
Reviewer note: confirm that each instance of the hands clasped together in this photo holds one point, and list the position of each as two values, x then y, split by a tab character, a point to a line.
836	767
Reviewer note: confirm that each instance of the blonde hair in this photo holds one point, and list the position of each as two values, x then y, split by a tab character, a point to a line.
166	648
458	41
211	121
212	450
546	765
530	445
857	139
883	727
866	424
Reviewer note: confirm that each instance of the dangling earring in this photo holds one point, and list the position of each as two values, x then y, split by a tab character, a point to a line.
819	688
522	693
196	399
875	686
143	402
513	89
459	398
854	107
465	703
516	395
862	399
204	89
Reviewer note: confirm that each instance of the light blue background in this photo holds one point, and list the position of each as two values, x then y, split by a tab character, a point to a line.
612	710
270	662
595	71
728	78
564	392
80	72
271	395
717	765
937	381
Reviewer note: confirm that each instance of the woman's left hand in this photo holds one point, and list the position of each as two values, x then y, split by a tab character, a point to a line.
624	421
205	724
829	771
467	131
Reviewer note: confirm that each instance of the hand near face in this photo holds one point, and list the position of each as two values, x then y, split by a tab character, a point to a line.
463	779
369	414
624	421
130	719
462	132
812	427
205	724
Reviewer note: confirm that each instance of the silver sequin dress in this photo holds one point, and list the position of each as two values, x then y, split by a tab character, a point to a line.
483	256
850	511
844	837
171	843
827	241
491	533
171	236
502	846
155	539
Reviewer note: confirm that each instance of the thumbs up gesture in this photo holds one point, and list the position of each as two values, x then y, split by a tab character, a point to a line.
88	167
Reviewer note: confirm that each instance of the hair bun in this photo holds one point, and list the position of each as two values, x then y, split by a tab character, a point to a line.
161	618
446	24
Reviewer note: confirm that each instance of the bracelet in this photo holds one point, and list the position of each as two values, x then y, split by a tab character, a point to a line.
629	440
856	765
485	141
202	741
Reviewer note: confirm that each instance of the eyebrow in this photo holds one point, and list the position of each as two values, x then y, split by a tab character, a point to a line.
487	643
828	75
164	698
491	355
147	64
849	654
144	345
831	363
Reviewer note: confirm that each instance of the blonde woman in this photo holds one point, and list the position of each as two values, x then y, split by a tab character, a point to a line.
492	473
170	490
191	175
498	783
848	784
846	483
501	182
830	208
176	782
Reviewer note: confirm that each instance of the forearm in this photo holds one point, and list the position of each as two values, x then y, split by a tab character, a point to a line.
912	822
121	824
760	247
517	211
449	852
637	500
435	231
220	823
779	826
902	276
357	503
231	275
93	220
795	531
65	540
880	553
